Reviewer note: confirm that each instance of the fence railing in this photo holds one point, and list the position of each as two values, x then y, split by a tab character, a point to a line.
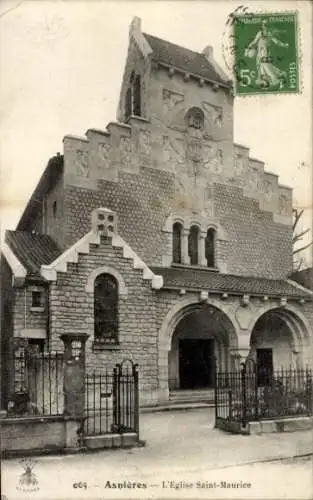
251	395
112	401
38	384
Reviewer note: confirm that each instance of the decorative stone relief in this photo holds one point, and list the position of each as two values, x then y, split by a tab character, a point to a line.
144	144
284	205
82	167
214	114
195	150
218	161
238	164
171	99
173	150
253	182
103	152
268	190
126	150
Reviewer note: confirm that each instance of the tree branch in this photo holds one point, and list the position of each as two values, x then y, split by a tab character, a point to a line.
302	248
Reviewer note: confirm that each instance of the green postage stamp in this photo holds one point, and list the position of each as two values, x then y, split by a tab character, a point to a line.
266	53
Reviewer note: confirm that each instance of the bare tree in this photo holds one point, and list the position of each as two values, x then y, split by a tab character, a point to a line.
298	235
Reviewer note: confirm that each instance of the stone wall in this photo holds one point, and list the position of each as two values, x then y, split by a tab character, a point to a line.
28	321
254	245
72	310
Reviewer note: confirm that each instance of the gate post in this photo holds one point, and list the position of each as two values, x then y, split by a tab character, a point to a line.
244	395
74	374
136	399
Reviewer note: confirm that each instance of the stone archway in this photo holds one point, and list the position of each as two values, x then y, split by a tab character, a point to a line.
178	325
284	333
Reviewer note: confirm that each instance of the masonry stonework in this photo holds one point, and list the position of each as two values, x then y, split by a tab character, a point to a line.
170	158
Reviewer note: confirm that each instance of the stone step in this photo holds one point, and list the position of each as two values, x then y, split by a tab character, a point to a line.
189	396
178	406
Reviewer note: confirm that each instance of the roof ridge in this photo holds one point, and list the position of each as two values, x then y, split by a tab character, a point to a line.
176	44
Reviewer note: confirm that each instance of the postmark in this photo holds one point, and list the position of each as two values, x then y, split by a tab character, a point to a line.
265	53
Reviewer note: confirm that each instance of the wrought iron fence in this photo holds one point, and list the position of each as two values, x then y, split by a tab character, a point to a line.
243	396
37	384
112	400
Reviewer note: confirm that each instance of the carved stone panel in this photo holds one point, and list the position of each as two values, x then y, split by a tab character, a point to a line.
174	152
284	206
238	164
144	145
195	150
81	162
268	190
171	99
253	179
103	153
126	151
214	114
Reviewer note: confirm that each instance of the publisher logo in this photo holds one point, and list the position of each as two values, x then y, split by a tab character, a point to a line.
28	481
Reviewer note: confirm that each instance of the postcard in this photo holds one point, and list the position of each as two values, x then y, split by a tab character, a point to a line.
156	249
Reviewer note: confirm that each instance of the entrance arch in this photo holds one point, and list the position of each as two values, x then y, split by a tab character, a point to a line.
198	323
280	338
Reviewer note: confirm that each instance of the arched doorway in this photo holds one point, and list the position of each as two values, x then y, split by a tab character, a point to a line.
200	339
278	341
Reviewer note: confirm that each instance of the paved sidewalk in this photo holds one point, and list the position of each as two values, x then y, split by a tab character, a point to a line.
179	445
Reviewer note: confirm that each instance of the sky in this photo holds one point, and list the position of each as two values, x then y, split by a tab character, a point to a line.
61	65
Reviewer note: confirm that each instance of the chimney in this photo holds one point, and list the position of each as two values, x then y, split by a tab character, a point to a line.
208	52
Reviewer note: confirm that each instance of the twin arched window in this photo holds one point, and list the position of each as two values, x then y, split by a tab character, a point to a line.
193	245
177	242
133	97
106	309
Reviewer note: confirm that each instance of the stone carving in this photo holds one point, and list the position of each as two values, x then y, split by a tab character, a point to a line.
82	167
218	161
195	150
144	142
103	152
214	114
253	181
171	99
268	190
126	150
284	205
173	150
238	164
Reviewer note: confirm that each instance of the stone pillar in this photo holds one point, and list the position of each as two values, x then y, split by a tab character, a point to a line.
185	256
202	259
74	374
241	353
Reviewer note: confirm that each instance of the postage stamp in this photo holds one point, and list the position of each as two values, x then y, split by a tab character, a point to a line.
266	53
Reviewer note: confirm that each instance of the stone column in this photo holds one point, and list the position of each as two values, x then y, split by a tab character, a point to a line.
202	259
74	374
185	256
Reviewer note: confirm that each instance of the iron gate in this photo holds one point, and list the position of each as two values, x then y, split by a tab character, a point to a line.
112	400
252	394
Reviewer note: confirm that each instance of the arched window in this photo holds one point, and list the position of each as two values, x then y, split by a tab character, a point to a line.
210	247
193	243
128	103
106	309
133	96
137	96
195	118
177	237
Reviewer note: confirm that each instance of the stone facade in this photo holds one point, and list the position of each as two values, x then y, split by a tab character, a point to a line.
176	162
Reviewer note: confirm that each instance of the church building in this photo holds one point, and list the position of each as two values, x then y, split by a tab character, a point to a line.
159	238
